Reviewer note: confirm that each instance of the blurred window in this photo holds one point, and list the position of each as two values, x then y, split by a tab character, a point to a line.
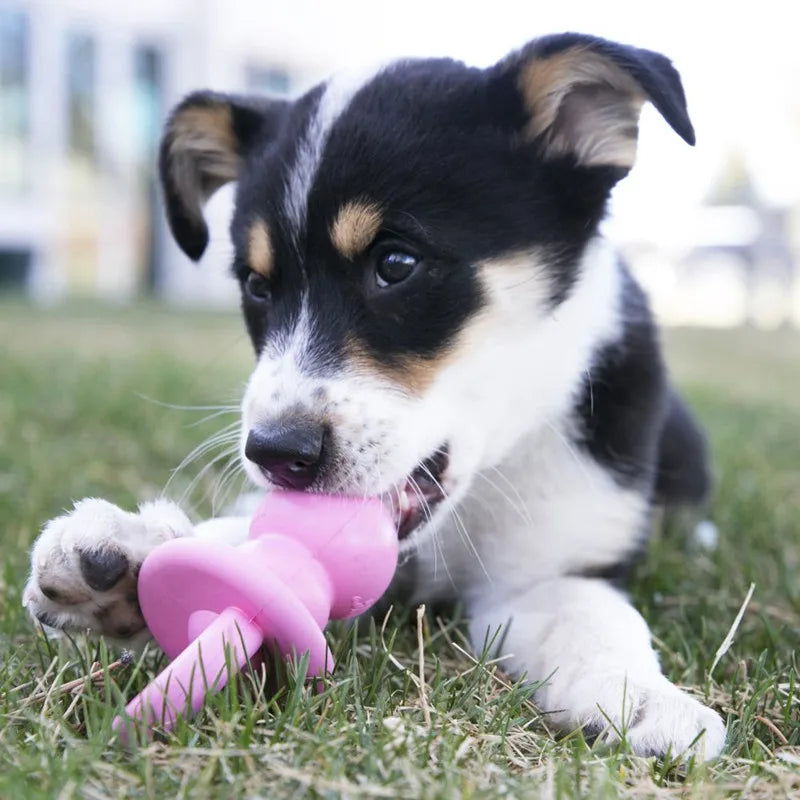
149	98
15	268
267	80
81	88
14	97
149	114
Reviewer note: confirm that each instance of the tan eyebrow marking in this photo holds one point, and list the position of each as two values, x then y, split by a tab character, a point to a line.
355	226
259	248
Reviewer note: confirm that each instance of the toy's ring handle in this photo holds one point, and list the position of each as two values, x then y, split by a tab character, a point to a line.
226	644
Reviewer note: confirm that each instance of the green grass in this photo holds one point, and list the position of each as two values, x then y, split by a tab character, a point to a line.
85	397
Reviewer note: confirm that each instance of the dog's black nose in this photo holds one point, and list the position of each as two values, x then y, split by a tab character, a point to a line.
288	450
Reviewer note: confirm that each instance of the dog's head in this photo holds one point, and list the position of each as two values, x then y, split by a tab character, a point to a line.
405	241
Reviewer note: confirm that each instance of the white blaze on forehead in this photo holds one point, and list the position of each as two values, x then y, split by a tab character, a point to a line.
294	344
339	91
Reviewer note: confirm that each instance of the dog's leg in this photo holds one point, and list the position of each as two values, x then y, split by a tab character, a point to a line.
593	650
85	563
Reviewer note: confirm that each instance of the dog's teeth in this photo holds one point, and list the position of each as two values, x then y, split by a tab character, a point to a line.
403	501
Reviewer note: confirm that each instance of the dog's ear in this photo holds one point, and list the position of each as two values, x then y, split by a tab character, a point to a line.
581	97
205	140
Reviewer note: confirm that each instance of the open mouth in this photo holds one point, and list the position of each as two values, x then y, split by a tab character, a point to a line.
413	503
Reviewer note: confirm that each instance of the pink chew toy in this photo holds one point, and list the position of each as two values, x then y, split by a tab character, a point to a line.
309	558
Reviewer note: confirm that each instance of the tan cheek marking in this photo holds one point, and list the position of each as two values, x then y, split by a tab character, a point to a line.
259	248
355	226
412	373
520	274
508	282
513	283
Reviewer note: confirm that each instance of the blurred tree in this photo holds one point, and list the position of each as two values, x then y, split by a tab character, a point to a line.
733	186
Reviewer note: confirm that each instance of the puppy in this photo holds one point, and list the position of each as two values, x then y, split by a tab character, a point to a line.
437	321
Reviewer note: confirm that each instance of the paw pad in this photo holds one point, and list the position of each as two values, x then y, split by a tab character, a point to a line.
102	568
50	592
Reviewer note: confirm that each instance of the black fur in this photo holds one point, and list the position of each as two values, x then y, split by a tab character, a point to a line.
633	423
683	476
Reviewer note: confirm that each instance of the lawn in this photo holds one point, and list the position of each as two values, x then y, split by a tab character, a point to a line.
98	401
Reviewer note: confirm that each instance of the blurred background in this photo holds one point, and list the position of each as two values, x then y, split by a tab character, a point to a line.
713	232
122	363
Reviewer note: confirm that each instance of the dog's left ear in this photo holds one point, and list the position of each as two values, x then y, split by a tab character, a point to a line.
581	97
205	142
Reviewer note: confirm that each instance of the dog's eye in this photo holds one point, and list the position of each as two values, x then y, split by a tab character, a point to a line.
257	286
394	266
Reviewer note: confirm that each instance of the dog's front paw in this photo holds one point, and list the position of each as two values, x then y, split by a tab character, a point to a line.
84	566
673	724
655	720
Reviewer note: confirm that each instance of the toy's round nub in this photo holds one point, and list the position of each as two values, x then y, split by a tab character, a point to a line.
354	539
309	558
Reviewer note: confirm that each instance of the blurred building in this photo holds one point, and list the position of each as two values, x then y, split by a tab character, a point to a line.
732	259
84	88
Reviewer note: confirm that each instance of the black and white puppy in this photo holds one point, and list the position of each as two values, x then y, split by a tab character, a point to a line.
437	321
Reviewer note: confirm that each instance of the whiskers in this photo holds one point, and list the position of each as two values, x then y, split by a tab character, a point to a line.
514	500
217	457
426	510
457	521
